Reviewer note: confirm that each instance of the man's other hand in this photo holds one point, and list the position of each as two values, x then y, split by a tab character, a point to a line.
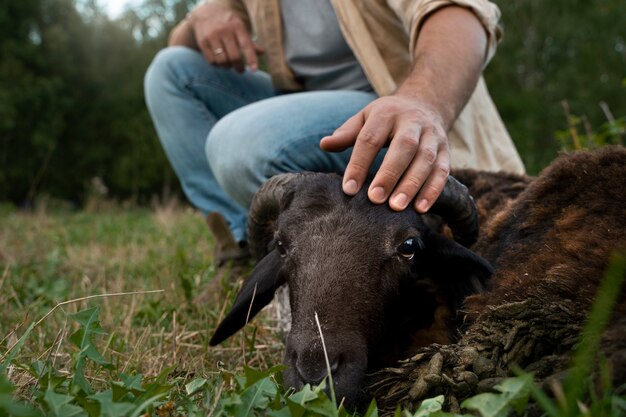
222	37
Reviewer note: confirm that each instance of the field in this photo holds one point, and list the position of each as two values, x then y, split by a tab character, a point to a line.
123	257
108	312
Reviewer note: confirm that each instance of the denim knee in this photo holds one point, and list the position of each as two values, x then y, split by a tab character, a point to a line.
280	134
238	165
166	69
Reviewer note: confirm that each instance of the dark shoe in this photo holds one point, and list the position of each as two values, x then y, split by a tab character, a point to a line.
231	260
226	248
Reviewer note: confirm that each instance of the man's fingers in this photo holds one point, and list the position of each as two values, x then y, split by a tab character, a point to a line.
207	51
248	48
370	140
401	152
425	172
219	52
345	135
417	162
233	56
435	183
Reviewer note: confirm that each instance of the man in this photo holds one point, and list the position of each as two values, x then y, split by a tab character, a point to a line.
389	87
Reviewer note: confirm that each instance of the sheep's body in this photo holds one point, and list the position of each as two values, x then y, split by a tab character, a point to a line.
562	227
550	248
344	258
492	191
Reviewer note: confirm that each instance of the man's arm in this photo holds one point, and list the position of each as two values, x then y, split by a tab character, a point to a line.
220	34
414	121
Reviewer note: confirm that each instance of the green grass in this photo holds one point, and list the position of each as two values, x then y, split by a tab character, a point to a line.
108	312
46	259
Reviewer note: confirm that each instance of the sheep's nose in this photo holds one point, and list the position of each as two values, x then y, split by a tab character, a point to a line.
314	371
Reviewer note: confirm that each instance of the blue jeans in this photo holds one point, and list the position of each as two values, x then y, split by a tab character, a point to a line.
226	133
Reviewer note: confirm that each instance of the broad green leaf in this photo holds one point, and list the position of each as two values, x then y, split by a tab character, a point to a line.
145	404
82	338
195	385
323	406
9	406
252	375
428	407
128	388
247	401
445	414
517	390
278	401
110	408
88	319
230	401
514	394
283	412
258	396
295	408
303	396
59	405
488	405
156	389
132	381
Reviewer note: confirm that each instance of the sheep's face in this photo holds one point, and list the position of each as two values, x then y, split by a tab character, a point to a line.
373	277
345	260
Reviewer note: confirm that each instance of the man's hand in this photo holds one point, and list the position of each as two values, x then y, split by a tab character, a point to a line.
222	37
417	159
414	121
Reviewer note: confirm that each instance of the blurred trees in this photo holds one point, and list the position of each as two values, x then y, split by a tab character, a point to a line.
573	50
71	99
71	88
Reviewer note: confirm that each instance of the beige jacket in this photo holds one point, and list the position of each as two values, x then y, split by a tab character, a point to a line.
382	35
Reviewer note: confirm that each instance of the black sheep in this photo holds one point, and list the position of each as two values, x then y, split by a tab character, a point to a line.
385	284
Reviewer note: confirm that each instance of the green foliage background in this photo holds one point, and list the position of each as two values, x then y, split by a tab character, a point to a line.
71	88
573	50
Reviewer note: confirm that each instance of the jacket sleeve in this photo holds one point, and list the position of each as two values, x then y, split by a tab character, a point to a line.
412	13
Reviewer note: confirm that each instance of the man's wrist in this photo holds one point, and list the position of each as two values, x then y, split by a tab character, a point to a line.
421	93
448	59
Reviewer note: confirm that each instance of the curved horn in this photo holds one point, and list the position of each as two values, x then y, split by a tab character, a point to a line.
264	210
457	208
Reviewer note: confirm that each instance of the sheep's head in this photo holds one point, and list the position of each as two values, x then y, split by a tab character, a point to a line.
375	277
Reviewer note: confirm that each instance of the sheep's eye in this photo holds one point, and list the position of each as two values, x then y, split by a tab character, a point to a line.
281	248
409	247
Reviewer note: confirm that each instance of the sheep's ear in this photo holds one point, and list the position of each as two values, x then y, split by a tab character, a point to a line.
460	271
256	293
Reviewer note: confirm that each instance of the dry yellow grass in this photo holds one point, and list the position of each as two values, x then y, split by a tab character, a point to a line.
50	257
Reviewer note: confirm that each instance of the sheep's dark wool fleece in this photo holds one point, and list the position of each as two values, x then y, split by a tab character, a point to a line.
555	240
492	191
550	246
